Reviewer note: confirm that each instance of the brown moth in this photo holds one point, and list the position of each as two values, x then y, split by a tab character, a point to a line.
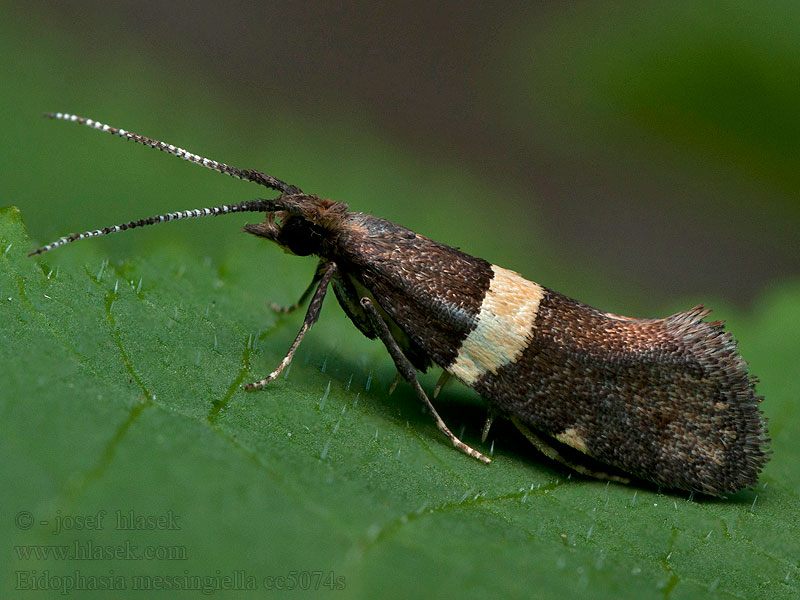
666	400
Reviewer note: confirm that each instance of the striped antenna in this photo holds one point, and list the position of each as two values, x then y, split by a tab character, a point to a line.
248	206
246	174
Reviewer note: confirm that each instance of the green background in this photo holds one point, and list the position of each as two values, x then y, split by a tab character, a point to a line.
641	160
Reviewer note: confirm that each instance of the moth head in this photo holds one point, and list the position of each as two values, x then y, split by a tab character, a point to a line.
306	228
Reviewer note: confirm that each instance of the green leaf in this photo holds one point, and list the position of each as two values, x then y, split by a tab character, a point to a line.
122	392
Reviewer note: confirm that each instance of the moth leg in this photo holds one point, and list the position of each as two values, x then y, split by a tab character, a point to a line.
550	452
302	300
311	317
444	378
406	369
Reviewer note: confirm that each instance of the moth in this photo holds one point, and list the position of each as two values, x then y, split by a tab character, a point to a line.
665	400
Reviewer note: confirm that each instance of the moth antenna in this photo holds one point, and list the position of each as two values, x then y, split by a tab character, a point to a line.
245	174
248	206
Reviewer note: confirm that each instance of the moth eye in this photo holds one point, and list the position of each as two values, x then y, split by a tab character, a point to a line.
301	237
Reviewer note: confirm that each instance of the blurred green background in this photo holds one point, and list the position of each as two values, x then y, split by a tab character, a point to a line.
641	158
654	145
